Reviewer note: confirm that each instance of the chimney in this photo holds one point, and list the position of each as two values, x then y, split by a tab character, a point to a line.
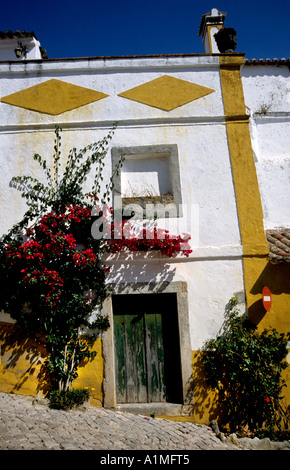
20	45
210	24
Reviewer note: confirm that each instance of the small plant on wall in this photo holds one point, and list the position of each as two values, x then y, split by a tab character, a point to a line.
245	367
51	268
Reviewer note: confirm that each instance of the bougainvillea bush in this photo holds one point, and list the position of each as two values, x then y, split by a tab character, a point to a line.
51	268
46	287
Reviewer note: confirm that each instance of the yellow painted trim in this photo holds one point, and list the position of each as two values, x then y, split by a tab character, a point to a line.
91	374
242	159
22	361
166	92
248	200
53	97
23	370
209	28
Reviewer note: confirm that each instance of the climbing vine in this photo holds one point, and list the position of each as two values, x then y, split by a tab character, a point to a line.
52	274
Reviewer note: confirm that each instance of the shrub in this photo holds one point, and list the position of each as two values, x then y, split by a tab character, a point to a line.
50	283
245	367
67	399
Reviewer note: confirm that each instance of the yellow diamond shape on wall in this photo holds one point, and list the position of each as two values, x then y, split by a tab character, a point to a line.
166	92
53	97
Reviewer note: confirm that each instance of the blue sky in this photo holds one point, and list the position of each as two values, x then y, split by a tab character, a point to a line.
70	28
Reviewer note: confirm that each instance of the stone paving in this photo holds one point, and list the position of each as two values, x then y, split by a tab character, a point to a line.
25	425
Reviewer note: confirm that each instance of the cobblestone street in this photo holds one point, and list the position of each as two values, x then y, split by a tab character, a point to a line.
28	426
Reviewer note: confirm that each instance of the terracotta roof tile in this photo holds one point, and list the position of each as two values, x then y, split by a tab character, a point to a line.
268	62
20	35
279	245
17	34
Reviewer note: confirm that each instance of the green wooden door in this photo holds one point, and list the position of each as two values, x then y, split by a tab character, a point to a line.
139	348
130	358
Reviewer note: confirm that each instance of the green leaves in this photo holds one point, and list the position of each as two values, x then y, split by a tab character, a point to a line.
67	187
67	399
43	275
245	366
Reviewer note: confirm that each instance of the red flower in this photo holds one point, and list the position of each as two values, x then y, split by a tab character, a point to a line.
158	239
70	240
85	258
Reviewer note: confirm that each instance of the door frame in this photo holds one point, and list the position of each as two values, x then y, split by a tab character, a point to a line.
180	289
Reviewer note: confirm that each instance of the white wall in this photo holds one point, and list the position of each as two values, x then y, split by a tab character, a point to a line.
214	270
7	47
145	176
267	95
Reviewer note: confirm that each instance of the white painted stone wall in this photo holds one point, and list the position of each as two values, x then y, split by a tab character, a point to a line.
267	96
214	270
7	47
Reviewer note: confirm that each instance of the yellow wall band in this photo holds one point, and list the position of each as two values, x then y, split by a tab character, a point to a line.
209	27
23	370
248	198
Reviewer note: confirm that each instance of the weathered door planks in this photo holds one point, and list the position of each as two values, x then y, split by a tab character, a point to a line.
155	357
139	348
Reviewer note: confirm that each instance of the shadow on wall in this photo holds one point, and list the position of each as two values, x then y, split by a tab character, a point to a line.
207	404
22	367
277	278
205	407
22	359
138	271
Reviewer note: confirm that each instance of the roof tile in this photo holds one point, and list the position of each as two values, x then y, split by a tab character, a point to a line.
16	34
279	245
